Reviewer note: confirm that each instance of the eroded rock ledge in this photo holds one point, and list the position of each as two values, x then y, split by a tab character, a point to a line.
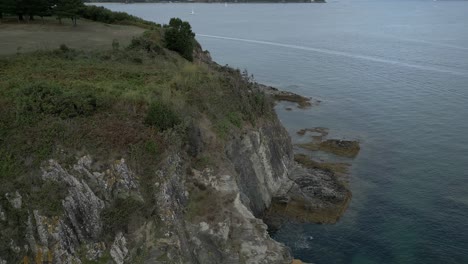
182	214
313	195
279	95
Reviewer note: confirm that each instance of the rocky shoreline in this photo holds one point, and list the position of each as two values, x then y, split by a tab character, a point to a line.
206	191
316	192
285	96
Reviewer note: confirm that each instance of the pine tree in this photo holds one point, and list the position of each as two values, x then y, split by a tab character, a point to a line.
68	9
7	7
179	37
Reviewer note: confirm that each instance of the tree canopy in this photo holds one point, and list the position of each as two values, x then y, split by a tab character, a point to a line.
179	37
68	9
30	8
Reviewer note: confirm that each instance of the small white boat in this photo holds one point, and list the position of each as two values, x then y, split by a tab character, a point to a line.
193	12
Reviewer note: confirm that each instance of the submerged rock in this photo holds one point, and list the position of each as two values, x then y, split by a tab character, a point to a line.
323	131
340	147
315	195
301	101
346	148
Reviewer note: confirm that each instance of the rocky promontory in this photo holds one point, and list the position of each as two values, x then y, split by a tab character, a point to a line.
137	155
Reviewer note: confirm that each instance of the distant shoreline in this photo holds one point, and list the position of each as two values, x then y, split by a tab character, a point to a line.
217	2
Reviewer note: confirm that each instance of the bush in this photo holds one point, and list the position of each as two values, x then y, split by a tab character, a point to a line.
117	216
145	42
180	38
115	44
101	14
52	100
161	116
64	48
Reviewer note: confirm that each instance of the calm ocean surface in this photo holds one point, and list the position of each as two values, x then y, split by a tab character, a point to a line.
392	74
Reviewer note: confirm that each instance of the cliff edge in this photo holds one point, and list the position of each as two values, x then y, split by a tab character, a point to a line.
135	155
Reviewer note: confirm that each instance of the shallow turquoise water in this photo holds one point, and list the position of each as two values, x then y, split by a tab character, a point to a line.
393	74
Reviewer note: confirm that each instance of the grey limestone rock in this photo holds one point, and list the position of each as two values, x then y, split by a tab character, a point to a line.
119	249
15	199
2	214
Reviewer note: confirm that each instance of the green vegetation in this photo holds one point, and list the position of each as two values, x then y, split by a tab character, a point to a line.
117	216
161	116
341	168
103	102
49	34
133	102
43	99
179	37
104	15
31	8
346	148
67	9
72	9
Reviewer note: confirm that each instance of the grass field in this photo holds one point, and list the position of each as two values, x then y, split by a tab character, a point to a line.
37	35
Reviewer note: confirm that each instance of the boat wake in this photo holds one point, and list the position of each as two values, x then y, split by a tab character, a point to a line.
343	54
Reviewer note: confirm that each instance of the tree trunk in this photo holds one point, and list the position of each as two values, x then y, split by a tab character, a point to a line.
31	17
20	17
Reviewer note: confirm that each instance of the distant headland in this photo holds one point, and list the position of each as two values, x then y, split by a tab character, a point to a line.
204	1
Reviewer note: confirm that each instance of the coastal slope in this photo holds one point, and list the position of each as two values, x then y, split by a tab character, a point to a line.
136	155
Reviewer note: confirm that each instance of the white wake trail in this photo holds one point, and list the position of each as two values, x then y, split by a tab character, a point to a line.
341	53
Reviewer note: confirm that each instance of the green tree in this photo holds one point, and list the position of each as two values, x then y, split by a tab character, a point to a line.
180	38
68	9
38	8
25	7
19	8
7	7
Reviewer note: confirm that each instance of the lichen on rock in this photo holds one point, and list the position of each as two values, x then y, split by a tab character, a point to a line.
119	249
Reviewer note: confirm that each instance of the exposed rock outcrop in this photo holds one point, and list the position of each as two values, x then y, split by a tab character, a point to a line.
2	214
119	249
314	195
279	95
262	160
180	213
15	199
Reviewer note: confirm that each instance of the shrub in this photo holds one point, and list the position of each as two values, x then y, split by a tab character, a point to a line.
235	118
101	14
180	38
117	216
115	44
145	42
64	48
52	100
161	116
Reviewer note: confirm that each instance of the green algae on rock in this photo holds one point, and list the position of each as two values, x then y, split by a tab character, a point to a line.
301	101
338	147
346	148
315	195
334	167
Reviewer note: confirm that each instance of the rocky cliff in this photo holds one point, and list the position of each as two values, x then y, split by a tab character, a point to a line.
198	216
154	160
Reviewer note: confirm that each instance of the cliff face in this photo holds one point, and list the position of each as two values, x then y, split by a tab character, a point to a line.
261	159
198	216
138	156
